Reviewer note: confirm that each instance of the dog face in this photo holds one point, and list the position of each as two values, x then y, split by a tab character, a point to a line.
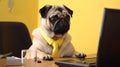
56	18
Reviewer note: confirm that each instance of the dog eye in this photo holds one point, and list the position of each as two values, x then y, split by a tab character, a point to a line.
53	18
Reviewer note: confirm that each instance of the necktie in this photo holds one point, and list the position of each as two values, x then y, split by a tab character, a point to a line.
54	43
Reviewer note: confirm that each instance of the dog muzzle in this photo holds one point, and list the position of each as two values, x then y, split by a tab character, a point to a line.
61	27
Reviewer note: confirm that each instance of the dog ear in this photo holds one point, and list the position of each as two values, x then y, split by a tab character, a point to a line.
69	10
44	10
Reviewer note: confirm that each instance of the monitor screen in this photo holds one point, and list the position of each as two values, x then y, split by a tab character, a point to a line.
109	43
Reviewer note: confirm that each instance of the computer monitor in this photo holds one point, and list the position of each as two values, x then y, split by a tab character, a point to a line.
109	44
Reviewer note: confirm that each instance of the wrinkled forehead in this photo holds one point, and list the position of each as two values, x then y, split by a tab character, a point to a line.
57	10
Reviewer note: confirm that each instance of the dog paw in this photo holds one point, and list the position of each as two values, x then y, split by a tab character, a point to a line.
48	57
80	55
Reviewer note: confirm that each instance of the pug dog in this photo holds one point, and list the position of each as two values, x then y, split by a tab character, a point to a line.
55	24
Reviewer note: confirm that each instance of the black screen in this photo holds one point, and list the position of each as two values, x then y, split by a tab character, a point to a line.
109	43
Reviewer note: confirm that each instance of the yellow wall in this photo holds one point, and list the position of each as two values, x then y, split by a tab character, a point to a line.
86	21
25	11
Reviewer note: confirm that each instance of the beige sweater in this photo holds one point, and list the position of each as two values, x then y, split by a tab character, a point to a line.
42	47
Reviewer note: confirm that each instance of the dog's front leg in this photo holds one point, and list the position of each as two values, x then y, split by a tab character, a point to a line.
43	55
79	55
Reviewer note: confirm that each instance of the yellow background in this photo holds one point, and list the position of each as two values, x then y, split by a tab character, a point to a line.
85	23
25	11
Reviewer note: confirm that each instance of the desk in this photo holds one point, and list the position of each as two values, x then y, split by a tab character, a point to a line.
31	63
